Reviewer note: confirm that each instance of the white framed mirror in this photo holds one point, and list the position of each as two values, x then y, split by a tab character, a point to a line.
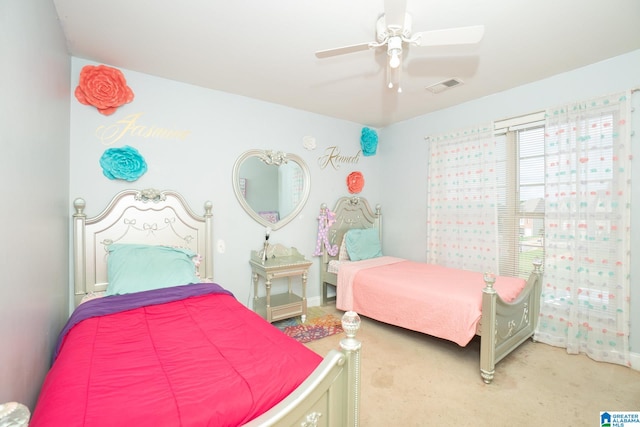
272	186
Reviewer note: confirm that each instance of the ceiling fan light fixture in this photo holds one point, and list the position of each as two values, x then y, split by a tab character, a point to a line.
394	29
393	78
394	50
394	61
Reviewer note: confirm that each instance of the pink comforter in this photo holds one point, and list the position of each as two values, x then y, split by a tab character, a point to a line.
438	301
196	357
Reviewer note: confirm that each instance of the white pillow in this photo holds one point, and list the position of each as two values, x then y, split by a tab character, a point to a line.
343	255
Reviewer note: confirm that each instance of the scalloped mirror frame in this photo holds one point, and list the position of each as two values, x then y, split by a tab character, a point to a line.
275	158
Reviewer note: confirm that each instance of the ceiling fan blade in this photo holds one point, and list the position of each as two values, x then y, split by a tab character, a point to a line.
450	36
342	50
394	13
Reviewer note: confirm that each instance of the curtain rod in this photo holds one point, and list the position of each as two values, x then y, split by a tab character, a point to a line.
632	90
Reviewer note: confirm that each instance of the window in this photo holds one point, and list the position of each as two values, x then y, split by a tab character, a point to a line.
520	174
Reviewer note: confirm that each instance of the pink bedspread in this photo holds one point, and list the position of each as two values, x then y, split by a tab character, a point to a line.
438	301
193	359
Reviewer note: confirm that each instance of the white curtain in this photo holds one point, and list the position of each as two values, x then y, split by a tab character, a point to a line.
585	294
462	200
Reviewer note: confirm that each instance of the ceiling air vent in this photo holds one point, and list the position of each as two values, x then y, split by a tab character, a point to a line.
444	85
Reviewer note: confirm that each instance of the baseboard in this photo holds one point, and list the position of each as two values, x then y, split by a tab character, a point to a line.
314	301
634	359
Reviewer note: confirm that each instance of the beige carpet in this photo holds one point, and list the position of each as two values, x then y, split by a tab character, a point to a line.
410	379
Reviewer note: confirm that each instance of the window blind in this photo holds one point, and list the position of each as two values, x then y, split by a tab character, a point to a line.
520	172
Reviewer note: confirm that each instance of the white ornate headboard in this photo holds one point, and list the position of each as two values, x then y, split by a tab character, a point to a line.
150	217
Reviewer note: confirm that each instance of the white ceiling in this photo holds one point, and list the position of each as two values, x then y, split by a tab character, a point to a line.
265	49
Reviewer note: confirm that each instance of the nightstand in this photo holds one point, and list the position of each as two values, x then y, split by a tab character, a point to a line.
284	305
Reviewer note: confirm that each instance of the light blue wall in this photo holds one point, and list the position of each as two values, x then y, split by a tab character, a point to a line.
222	127
34	169
405	152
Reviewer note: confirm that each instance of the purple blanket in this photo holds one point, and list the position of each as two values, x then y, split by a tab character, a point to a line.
116	303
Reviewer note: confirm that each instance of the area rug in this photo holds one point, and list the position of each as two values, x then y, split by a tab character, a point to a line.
318	325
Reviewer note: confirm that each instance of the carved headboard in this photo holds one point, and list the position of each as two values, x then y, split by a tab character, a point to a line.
150	217
350	212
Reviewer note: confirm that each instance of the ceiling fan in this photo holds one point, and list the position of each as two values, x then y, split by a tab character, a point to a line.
393	31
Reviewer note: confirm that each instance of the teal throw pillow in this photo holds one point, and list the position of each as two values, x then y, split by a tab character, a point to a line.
363	243
135	268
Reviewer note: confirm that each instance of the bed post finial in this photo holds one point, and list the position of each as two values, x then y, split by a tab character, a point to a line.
350	324
208	207
537	264
489	280
79	205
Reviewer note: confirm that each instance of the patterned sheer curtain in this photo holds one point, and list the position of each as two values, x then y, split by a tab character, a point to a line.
462	200
585	293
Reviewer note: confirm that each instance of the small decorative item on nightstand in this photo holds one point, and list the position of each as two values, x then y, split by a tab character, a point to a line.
265	249
274	262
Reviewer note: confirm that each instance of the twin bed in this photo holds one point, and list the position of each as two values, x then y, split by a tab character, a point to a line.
163	345
452	304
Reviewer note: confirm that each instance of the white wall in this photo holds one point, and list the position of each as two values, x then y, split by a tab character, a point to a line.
34	165
405	152
222	126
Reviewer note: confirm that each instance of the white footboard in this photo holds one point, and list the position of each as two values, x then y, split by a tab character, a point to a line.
330	396
507	325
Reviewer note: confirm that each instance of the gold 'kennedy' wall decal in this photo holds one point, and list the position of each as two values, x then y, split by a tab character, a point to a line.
333	157
110	134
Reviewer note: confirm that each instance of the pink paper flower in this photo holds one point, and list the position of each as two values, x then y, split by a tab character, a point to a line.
103	87
355	182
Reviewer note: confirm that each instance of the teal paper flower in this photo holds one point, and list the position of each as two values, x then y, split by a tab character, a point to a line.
369	141
123	163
